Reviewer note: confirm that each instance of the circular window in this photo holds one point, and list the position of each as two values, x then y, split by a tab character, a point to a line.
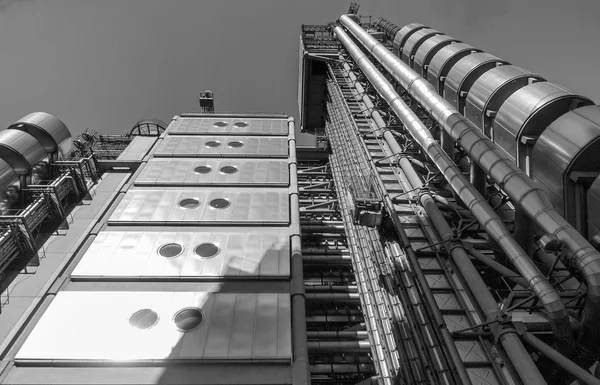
143	319
220	124
188	319
207	250
229	170
170	250
219	203
202	169
241	124
189	203
235	144
212	143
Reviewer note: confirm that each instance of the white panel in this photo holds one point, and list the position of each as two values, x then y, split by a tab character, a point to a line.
145	206
228	126
198	172
199	146
138	148
95	326
136	254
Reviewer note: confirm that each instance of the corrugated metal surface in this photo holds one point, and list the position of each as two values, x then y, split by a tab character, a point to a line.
140	206
138	148
138	254
195	172
96	326
200	146
228	126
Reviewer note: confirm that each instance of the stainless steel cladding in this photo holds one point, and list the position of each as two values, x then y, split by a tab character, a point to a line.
491	90
404	34
593	208
566	162
21	150
214	254
526	113
104	326
228	126
232	147
428	49
50	131
444	60
464	73
413	43
203	206
214	172
9	188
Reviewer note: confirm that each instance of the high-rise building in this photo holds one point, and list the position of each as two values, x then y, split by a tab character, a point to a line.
443	230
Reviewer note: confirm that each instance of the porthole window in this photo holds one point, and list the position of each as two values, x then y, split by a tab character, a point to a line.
189	203
170	250
207	250
240	124
188	319
219	203
235	144
143	319
220	124
202	169
229	170
212	143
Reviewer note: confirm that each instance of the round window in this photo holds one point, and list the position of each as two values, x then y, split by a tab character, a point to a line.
170	250
235	144
207	250
219	203
143	319
220	124
188	319
212	143
202	169
229	170
240	124
189	203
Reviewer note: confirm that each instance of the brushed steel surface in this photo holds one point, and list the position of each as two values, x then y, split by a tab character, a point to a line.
414	41
162	206
95	326
570	143
593	208
491	90
7	175
443	61
136	254
528	111
428	49
138	148
196	146
464	73
404	34
181	172
228	126
50	131
21	150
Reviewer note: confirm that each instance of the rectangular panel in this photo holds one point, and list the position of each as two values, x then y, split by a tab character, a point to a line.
201	172
228	126
138	148
99	326
188	206
218	146
174	255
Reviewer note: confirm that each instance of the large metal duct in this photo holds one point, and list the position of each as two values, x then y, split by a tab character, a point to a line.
403	35
483	212
20	150
523	191
566	163
526	113
50	131
491	90
428	49
413	43
464	73
443	61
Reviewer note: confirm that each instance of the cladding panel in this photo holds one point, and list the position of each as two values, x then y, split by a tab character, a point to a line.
217	146
228	126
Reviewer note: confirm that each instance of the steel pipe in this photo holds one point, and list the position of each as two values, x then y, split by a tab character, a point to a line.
523	191
339	346
485	215
338	335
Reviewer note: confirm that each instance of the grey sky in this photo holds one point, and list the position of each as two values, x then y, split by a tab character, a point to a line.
105	64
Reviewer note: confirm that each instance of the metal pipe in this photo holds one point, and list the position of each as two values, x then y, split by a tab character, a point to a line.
341	368
498	267
332	288
339	346
523	191
338	335
577	371
300	366
334	298
485	215
326	259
